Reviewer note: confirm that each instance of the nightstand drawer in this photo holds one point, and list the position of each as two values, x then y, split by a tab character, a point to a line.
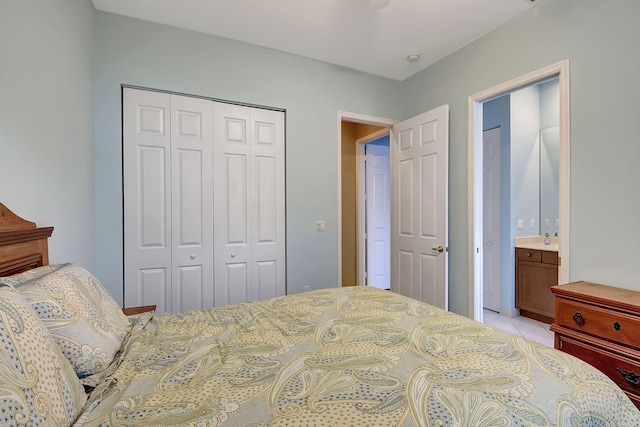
601	322
622	370
529	254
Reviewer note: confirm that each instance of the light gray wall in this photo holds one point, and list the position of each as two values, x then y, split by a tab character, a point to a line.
133	52
600	40
47	71
549	103
46	120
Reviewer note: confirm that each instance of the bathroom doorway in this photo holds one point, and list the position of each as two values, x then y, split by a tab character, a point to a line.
515	223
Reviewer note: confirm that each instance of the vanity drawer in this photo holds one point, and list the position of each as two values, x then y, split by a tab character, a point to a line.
622	370
549	257
529	254
601	322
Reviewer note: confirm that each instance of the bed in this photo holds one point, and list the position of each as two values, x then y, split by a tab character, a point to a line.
334	357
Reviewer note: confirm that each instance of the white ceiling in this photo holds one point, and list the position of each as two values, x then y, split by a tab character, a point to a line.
349	33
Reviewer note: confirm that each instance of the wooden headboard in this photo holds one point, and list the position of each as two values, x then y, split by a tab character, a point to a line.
23	246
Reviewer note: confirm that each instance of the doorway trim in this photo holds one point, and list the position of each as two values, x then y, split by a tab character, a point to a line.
355	118
475	184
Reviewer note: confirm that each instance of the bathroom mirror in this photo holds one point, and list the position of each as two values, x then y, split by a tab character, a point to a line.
549	149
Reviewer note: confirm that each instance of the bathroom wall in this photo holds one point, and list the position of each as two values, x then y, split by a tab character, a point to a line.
525	161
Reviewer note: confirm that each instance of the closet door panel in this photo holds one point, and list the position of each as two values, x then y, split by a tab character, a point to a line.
189	176
268	202
189	289
147	211
266	277
235	176
192	203
236	286
152	218
232	135
266	196
152	285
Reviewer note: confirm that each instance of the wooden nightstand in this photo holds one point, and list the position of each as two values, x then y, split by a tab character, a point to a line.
137	310
599	324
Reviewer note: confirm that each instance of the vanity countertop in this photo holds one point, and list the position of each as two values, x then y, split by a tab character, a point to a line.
537	242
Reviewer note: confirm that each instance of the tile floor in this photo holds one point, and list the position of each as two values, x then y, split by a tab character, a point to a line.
523	326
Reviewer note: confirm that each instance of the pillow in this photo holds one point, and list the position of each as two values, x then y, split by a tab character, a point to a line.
37	384
138	322
20	279
82	317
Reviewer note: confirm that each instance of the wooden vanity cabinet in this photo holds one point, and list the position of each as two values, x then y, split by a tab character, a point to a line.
599	324
536	273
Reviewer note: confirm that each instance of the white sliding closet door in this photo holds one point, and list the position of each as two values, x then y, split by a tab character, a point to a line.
168	201
147	192
204	214
249	203
191	203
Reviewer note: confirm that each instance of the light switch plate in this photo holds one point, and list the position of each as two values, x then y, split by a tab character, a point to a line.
533	224
321	225
520	224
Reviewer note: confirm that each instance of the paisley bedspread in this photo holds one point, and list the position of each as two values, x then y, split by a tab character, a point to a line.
346	357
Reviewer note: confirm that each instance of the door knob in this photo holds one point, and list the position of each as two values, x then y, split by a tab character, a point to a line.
233	254
439	248
193	256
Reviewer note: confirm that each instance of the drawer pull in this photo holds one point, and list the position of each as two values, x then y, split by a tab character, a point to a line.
578	318
616	326
631	377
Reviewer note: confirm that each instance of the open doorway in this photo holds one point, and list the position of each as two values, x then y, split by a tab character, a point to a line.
419	147
374	209
522	224
520	154
358	133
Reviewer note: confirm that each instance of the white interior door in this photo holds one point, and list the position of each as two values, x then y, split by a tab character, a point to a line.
249	208
419	178
147	195
491	219
378	204
192	203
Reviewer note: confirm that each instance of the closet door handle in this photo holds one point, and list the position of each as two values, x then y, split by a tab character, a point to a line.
233	254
